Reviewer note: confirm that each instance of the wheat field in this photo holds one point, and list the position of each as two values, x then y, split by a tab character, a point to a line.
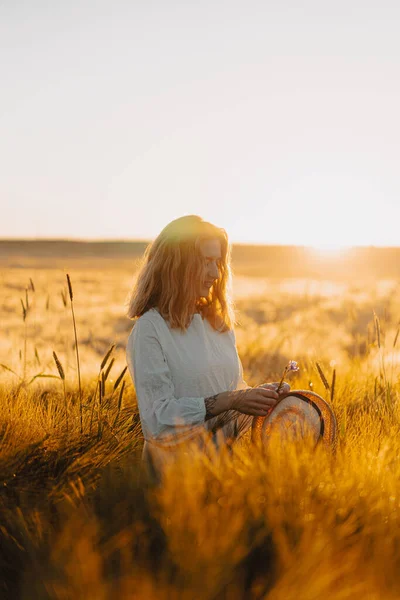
80	520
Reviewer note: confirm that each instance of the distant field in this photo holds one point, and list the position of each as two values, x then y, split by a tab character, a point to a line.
255	261
281	301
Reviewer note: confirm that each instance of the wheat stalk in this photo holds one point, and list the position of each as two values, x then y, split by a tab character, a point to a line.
118	381
106	357
121	393
333	385
25	309
119	378
393	349
93	405
380	347
62	377
64	298
107	371
322	376
396	337
37	356
10	370
102	388
377	329
71	297
98	382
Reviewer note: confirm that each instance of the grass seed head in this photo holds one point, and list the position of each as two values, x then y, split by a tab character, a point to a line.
322	376
333	385
70	288
106	357
118	381
24	310
107	372
377	329
395	339
59	366
121	393
64	297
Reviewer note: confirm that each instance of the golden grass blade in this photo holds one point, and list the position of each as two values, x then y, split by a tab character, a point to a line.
396	337
64	298
103	385
377	329
93	405
107	372
71	296
24	310
333	385
10	370
37	356
121	393
322	376
118	380
106	357
42	375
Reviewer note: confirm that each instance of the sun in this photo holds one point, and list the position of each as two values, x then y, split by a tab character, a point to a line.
327	249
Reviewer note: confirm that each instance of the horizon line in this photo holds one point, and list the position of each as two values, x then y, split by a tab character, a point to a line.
148	241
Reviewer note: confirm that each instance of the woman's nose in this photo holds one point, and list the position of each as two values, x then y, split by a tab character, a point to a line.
213	270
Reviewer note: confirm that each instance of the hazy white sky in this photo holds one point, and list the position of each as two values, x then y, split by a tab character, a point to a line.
278	121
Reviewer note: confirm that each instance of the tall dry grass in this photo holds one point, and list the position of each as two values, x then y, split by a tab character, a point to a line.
79	518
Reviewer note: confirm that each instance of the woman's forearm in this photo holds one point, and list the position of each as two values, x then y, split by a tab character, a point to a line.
217	404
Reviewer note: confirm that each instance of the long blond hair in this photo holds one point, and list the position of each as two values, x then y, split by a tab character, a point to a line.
170	272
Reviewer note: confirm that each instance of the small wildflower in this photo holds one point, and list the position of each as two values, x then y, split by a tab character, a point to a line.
291	366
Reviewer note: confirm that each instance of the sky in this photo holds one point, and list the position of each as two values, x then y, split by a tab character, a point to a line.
276	120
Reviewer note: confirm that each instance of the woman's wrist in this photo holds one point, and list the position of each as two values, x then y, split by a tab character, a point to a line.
217	404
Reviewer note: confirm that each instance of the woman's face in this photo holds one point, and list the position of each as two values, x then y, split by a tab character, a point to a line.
211	251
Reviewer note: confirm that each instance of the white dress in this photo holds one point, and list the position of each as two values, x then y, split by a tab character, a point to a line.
173	372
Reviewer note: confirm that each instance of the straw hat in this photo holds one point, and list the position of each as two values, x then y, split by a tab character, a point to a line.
298	414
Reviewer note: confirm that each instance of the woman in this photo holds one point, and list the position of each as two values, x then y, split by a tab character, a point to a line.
181	352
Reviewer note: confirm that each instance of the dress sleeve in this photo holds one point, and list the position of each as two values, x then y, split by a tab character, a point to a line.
161	413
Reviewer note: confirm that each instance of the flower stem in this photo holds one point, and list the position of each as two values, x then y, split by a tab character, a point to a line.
278	389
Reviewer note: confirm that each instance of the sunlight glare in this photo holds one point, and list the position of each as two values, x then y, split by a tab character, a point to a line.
333	250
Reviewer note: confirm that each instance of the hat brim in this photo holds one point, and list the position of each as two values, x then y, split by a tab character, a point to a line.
298	413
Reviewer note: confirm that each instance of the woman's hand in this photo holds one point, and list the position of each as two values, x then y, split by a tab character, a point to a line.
256	401
285	387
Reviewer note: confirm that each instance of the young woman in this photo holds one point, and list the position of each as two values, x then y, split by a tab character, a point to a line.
181	352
